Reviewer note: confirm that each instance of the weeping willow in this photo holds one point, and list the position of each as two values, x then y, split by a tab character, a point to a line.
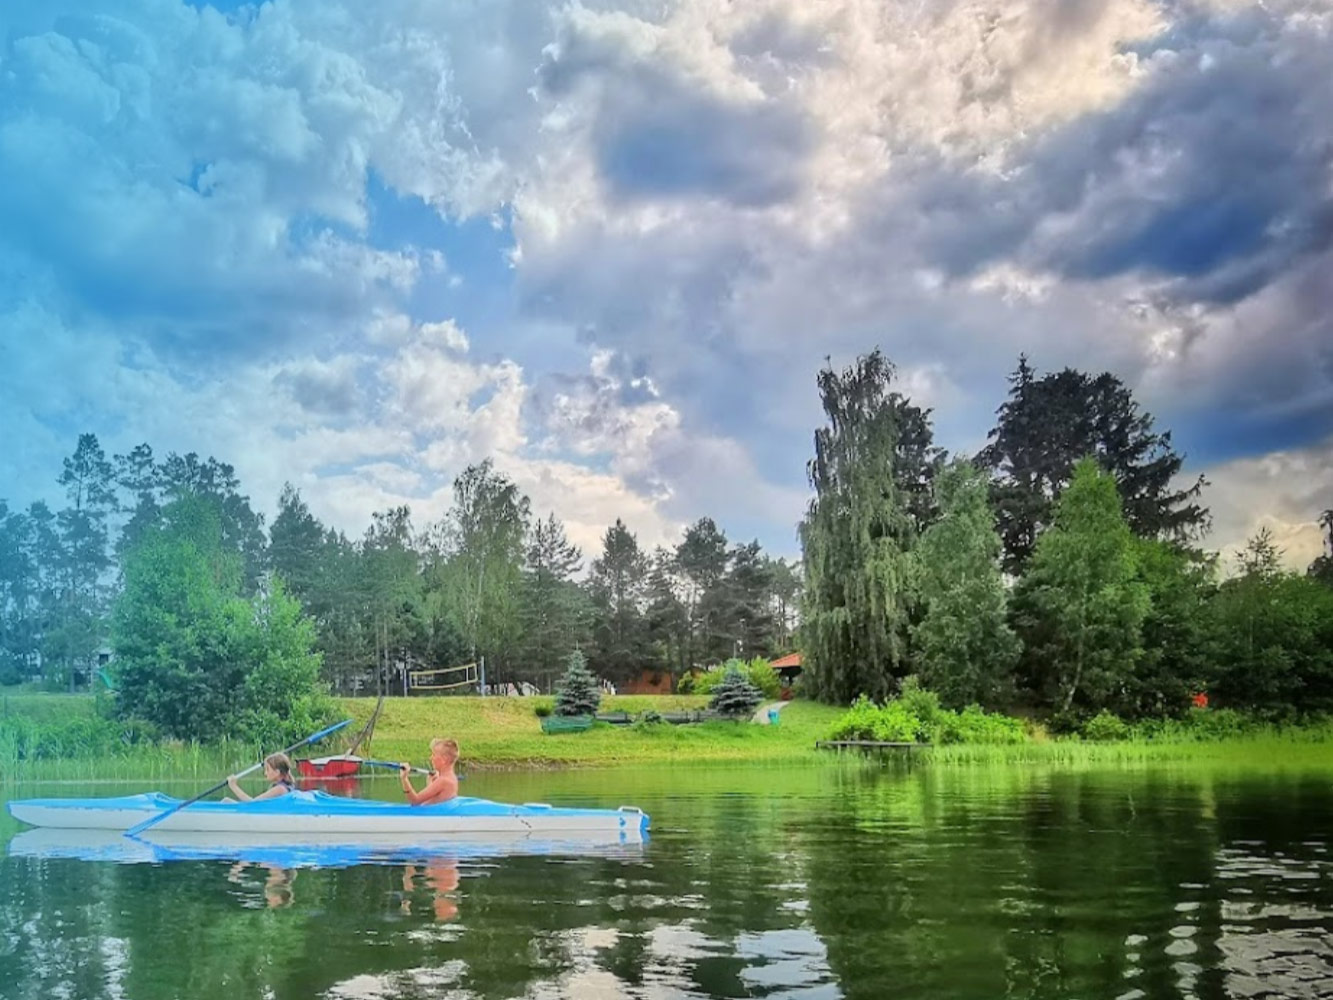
858	532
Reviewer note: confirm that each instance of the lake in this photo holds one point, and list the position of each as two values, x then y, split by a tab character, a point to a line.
819	882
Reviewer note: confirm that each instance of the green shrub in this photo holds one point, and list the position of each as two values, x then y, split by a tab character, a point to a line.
762	675
707	682
759	672
1105	727
892	722
924	705
973	725
857	723
899	724
916	717
542	711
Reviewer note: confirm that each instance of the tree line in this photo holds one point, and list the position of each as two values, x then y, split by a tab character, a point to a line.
488	579
1057	570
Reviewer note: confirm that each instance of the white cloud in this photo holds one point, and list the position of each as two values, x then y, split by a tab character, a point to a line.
708	197
1284	491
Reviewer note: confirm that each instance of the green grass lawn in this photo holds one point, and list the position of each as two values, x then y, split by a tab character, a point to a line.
504	732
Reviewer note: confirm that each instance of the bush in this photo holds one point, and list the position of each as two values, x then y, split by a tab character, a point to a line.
973	725
707	682
916	717
579	693
1200	725
1105	727
891	722
735	696
897	723
542	711
923	705
759	672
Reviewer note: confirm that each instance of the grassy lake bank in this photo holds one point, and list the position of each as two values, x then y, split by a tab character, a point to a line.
505	734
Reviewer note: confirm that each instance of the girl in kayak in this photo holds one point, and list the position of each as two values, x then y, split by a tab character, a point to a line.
278	771
443	784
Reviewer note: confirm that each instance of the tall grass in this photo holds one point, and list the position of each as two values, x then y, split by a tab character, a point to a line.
1295	747
161	763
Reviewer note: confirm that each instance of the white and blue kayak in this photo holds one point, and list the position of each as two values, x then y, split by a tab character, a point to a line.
318	813
316	850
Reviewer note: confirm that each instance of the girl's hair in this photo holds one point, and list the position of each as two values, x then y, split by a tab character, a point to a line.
281	763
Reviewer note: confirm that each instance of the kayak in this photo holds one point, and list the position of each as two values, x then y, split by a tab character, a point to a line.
317	812
314	851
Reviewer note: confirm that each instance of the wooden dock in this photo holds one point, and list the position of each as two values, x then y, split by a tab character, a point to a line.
865	745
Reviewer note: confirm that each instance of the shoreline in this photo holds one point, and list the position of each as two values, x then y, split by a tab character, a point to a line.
500	735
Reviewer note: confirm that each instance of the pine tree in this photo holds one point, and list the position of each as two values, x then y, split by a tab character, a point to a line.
579	693
80	622
734	696
296	543
620	632
1322	568
1048	424
701	559
553	608
668	622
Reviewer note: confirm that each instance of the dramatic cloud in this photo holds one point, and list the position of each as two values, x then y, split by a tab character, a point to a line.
358	246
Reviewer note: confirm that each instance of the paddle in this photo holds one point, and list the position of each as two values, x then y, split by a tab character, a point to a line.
415	770
139	828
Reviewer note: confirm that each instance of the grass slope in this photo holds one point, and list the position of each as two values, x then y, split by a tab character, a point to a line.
504	732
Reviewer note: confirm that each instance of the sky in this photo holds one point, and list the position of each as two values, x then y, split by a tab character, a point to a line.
357	246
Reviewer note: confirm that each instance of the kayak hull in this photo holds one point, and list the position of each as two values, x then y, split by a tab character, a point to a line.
319	813
314	850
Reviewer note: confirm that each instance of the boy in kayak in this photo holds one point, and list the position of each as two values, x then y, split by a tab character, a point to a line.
443	784
278	771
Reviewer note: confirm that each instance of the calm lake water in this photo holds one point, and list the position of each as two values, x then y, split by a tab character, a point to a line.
810	883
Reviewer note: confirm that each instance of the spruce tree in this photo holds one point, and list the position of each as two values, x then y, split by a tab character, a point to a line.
735	696
1048	424
579	693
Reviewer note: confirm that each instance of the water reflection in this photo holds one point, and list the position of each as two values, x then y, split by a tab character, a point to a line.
278	882
440	876
813	885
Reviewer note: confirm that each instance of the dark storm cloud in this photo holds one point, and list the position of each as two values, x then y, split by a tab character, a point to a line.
659	134
1214	175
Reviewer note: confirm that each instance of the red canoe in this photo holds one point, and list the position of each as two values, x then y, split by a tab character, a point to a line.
343	766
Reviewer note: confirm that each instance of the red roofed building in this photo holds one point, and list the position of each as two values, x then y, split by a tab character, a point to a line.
788	668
